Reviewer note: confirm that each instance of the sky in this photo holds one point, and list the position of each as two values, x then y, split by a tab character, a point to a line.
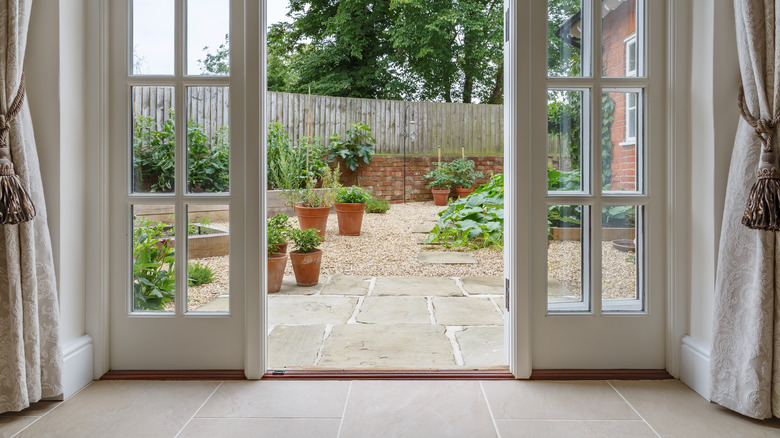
208	22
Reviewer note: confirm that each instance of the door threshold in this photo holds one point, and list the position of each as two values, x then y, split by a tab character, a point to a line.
390	374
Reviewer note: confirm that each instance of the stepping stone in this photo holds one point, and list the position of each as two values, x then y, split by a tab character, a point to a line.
422	228
482	347
465	311
446	258
387	347
221	304
500	301
557	292
289	287
294	346
424	241
347	285
310	310
416	286
483	285
394	310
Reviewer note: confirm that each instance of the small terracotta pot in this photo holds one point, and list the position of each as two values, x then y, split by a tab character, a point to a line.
350	218
313	217
276	264
281	249
463	192
306	267
440	196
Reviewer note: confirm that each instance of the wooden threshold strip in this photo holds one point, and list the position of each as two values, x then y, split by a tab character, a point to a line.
622	374
390	375
174	375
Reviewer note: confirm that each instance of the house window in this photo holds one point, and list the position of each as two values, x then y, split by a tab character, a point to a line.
631	118
631	64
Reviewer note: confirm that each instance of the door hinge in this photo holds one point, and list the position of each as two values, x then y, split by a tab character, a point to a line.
506	294
506	26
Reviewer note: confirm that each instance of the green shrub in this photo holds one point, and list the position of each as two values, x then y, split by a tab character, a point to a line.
154	279
463	173
306	241
440	176
352	195
359	146
198	274
377	205
287	162
279	229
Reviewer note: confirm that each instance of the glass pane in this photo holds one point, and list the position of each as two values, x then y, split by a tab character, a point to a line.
153	37
208	140
619	38
153	139
566	40
619	258
565	258
154	279
208	258
564	140
208	37
621	141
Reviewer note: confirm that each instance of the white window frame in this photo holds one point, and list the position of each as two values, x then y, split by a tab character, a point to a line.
631	41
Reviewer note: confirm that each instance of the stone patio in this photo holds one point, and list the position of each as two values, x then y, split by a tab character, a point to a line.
388	323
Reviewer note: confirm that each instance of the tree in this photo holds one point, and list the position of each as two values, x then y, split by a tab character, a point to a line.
217	63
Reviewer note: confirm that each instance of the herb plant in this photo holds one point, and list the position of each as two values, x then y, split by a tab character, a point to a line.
464	173
377	205
440	177
352	195
198	274
306	241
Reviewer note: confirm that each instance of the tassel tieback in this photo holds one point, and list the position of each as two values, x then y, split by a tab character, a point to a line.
763	207
15	203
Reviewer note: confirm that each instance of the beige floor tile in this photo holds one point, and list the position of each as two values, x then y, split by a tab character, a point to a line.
38	409
574	428
10	426
417	409
124	409
556	401
262	428
277	399
674	410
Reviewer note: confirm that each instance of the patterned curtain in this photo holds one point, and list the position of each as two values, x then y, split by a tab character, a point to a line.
30	355
745	359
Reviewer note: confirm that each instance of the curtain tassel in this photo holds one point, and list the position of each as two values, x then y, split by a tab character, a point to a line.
15	203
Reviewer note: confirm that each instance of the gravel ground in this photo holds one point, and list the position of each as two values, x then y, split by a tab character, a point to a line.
618	273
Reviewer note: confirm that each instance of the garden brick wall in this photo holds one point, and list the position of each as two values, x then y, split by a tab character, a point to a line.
385	175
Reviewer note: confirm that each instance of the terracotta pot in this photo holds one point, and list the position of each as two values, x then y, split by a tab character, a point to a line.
463	192
281	249
306	267
350	218
313	217
440	196
276	264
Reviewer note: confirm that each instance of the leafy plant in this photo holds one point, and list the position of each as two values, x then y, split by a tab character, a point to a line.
607	119
474	222
279	230
208	166
309	196
352	195
377	205
358	146
440	176
558	180
154	279
287	168
306	241
619	216
463	173
198	274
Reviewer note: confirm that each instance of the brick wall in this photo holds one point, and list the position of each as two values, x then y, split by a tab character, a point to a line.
385	175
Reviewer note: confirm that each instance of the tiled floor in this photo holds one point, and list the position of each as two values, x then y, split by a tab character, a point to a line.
363	408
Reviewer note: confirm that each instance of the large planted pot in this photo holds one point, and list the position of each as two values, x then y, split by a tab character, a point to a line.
313	217
306	267
440	196
464	192
276	264
350	217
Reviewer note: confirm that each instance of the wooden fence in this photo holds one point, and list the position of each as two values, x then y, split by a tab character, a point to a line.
480	128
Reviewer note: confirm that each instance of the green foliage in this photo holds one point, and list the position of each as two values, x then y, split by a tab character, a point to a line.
358	146
279	229
377	205
607	119
463	173
217	63
306	241
308	196
440	176
562	180
352	195
154	279
208	160
619	216
198	274
563	59
287	168
281	55
564	119
474	222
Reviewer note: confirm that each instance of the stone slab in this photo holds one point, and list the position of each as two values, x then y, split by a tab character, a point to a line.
493	285
446	258
294	346
394	310
424	241
501	301
557	292
416	286
482	347
289	287
346	285
423	228
378	346
465	311
310	310
220	304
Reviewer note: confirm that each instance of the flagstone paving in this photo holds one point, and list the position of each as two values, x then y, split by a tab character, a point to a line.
388	323
446	258
422	228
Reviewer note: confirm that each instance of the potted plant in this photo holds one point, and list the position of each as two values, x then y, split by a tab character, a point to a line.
464	176
359	146
440	183
350	207
312	205
307	257
277	260
281	224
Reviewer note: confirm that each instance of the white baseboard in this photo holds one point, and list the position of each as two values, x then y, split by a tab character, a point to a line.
77	365
695	366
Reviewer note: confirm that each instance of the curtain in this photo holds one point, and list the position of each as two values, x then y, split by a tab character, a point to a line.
745	357
30	355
